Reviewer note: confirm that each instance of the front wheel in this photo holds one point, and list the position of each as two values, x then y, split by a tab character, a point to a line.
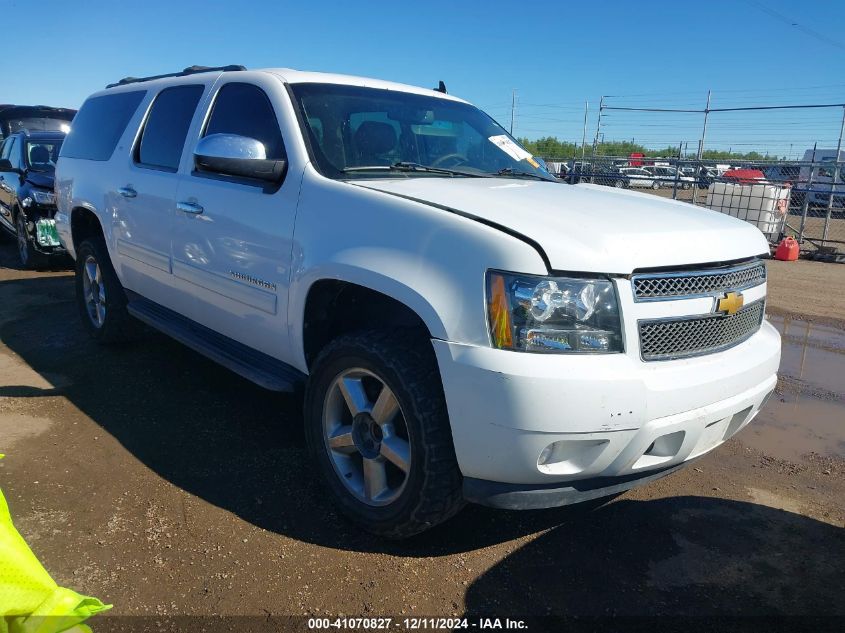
377	429
619	184
655	185
28	256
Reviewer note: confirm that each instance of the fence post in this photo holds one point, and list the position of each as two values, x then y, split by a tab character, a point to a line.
836	173
701	147
805	205
677	172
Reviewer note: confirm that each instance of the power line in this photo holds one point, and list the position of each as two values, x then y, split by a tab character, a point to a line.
804	29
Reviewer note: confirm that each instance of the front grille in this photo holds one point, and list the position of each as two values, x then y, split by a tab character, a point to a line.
697	283
665	339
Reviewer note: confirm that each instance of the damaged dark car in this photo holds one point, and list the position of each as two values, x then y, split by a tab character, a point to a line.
27	197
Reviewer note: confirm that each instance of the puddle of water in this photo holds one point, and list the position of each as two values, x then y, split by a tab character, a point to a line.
810	415
791	426
812	354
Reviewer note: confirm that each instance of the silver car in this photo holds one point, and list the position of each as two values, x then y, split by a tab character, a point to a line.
636	177
667	176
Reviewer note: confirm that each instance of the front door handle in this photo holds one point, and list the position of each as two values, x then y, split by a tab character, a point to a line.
127	192
189	207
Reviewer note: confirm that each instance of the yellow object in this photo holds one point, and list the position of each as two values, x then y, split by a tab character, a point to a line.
31	601
730	303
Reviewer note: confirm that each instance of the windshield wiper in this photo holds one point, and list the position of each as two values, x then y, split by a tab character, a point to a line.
508	172
407	166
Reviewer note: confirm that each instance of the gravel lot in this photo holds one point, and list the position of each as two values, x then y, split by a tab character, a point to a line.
162	483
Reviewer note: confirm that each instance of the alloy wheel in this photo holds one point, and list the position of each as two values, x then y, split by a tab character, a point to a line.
94	291
365	434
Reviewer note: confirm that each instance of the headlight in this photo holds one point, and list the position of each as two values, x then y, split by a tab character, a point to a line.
44	197
553	314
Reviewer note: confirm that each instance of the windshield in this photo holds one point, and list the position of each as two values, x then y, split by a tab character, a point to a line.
357	132
42	155
38	124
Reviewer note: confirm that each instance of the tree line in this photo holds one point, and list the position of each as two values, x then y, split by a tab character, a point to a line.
552	147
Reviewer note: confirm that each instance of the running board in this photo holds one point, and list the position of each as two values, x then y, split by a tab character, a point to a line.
253	365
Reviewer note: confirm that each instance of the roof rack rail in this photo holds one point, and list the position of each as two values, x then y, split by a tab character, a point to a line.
190	70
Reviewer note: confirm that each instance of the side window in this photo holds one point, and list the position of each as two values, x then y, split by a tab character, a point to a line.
5	148
166	128
99	124
245	110
10	151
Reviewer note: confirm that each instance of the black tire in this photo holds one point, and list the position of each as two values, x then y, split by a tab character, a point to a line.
655	185
619	184
27	255
116	324
404	362
686	185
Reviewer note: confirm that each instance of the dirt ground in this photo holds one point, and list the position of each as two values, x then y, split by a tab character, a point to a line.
164	484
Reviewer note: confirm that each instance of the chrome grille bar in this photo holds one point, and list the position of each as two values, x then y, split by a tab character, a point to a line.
683	337
697	283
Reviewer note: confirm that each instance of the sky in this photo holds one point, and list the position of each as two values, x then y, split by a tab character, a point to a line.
555	55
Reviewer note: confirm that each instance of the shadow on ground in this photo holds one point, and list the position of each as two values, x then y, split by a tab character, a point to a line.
672	556
241	448
205	429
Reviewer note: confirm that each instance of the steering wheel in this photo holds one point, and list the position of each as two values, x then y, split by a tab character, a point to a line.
459	159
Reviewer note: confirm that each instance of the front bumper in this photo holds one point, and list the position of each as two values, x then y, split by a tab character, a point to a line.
601	416
504	496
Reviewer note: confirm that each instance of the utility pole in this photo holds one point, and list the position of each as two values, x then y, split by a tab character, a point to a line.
598	125
584	135
704	129
513	108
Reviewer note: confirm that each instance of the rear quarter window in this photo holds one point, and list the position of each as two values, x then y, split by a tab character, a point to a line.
163	136
99	125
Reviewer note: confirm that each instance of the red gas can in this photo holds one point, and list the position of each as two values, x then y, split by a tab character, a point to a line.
787	250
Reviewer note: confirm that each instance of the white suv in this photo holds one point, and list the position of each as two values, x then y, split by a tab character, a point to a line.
466	327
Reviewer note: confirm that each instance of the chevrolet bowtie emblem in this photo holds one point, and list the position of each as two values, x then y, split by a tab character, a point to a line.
730	303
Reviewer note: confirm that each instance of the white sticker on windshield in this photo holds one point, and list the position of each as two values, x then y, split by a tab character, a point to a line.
504	143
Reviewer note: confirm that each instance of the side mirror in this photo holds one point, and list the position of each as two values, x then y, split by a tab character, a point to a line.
6	165
235	155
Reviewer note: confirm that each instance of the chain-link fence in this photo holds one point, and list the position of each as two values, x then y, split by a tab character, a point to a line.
798	192
804	199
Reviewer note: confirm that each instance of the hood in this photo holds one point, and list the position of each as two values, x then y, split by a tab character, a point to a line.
41	179
589	228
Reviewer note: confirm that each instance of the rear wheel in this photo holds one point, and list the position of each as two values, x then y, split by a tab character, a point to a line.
619	184
378	430
655	184
99	294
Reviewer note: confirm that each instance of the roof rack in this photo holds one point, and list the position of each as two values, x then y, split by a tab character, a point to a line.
190	70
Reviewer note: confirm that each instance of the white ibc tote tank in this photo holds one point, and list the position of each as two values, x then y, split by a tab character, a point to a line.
762	204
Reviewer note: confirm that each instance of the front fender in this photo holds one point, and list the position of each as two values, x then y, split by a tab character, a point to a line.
425	257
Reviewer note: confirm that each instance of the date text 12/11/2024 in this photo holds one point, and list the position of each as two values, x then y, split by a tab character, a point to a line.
415	623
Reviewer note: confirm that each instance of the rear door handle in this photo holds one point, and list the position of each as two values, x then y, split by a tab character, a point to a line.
189	207
127	192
